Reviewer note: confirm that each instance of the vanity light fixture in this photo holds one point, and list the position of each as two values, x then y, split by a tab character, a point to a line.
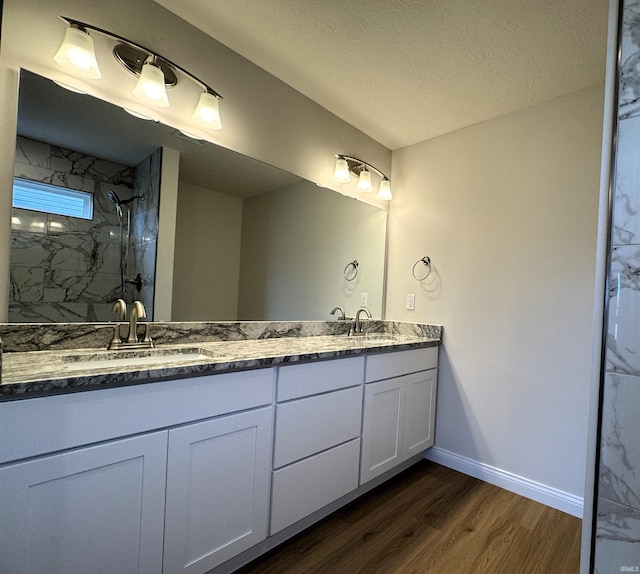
364	181
341	173
150	87
347	165
77	54
207	113
155	72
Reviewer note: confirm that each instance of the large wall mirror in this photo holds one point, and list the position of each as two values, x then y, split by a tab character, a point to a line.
248	241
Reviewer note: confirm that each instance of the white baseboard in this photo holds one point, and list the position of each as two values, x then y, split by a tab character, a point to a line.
553	497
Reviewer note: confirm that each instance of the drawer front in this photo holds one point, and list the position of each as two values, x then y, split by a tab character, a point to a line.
76	419
308	485
295	381
387	365
308	426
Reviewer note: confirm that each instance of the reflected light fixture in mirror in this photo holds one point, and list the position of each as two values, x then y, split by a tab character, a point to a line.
155	73
347	165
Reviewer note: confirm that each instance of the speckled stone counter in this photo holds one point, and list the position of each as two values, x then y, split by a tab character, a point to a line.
44	359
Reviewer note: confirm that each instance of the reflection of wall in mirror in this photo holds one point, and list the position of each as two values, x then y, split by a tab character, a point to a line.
279	255
64	268
296	242
207	255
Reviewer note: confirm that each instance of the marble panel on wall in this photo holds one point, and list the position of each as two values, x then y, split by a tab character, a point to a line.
626	203
629	88
619	444
144	229
617	538
26	283
77	259
623	330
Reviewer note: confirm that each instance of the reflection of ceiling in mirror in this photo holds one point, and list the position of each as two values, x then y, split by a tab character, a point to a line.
49	113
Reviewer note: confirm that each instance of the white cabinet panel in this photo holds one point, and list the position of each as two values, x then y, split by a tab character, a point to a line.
295	381
307	426
306	486
382	427
76	419
217	490
387	365
98	509
399	421
420	412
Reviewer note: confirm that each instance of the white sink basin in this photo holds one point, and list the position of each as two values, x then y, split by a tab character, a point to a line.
137	358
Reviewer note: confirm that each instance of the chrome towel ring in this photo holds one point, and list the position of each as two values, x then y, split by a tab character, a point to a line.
351	270
421	272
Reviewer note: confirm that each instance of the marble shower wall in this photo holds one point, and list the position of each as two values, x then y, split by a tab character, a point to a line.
144	230
617	543
66	269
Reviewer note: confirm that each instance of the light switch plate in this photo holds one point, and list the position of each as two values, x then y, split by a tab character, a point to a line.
411	301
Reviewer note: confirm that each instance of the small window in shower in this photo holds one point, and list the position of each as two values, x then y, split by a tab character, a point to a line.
48	198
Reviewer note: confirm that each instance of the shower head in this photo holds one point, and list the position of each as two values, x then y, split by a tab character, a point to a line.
113	196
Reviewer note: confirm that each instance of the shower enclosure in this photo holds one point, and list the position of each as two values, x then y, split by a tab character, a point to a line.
123	206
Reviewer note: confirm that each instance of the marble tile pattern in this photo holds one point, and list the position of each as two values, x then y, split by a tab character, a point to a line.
65	268
144	230
617	536
34	357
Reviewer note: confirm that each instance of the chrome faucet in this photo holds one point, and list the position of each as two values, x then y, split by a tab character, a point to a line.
137	312
358	327
342	316
120	307
132	341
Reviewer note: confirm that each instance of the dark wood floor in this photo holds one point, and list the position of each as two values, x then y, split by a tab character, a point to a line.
432	519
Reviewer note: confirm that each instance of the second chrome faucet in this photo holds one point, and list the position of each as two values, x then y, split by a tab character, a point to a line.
358	326
132	340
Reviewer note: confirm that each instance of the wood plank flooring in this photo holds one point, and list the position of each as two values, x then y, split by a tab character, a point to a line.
433	520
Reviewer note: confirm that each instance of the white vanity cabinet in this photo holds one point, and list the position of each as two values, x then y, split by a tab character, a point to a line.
217	490
98	509
84	476
317	437
399	408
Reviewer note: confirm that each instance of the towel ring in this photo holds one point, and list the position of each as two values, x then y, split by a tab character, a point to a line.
422	272
351	270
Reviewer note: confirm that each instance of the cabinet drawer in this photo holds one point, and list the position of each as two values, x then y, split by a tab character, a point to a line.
308	485
297	381
389	365
308	426
76	419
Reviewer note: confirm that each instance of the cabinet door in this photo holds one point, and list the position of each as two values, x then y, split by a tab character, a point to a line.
382	427
420	410
97	509
217	490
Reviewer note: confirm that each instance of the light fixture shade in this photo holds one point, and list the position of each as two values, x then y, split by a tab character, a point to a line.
77	55
364	181
341	173
384	191
207	112
150	87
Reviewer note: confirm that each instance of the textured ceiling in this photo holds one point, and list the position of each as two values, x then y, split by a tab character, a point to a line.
403	71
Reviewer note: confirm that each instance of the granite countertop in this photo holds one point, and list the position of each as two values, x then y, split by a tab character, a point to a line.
32	373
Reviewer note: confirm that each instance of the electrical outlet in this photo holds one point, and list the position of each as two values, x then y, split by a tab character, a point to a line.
411	301
364	299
